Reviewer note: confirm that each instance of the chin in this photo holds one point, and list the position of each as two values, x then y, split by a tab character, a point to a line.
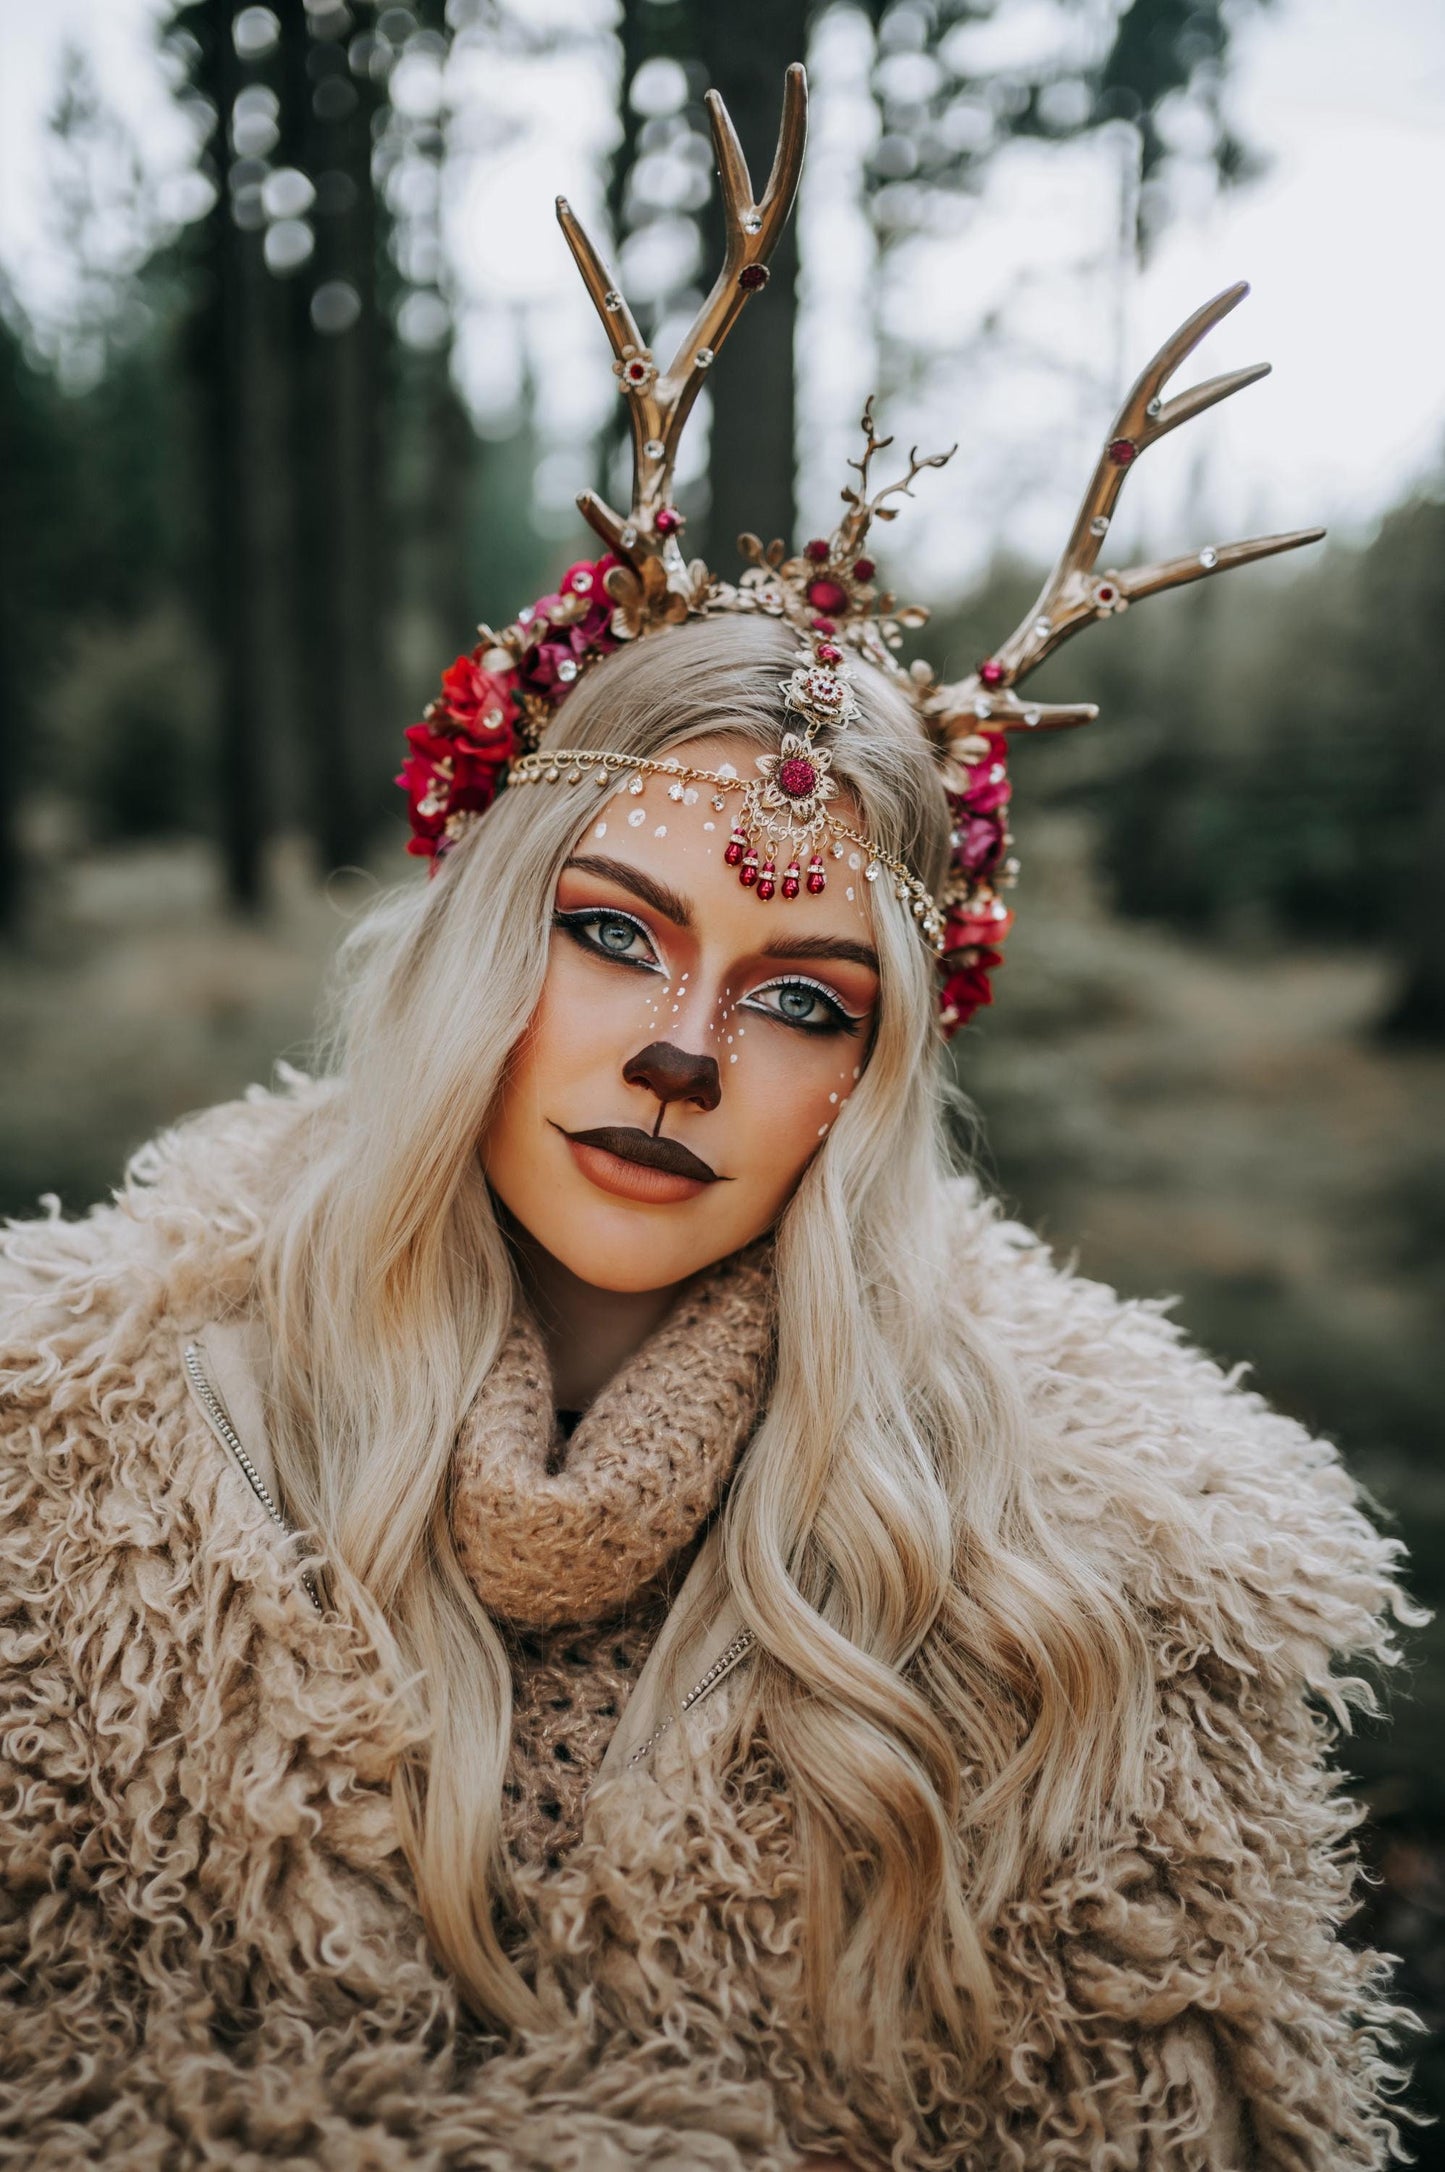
614	1245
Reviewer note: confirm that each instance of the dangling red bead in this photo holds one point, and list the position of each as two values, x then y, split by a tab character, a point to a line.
817	880
748	872
735	847
766	883
791	881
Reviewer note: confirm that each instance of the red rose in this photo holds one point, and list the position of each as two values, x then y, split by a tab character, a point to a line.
480	701
967	989
961	931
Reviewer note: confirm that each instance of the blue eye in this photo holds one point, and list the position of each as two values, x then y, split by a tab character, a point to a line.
609	934
805	1004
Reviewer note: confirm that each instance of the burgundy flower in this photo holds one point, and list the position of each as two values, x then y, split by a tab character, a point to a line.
980	844
963	930
967	989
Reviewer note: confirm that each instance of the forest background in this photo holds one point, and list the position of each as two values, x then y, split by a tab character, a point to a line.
296	386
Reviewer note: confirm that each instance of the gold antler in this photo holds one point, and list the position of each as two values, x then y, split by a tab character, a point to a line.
863	510
659	404
1074	595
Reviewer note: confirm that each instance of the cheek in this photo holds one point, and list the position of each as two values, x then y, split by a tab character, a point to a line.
786	1092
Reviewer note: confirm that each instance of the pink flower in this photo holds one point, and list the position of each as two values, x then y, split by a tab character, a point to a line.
963	930
481	702
980	844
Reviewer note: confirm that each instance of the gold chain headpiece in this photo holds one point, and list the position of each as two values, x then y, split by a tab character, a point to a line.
497	700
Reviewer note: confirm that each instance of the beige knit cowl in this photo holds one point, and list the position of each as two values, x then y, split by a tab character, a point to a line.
577	1544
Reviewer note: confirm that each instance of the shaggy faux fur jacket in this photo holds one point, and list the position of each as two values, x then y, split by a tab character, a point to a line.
211	1951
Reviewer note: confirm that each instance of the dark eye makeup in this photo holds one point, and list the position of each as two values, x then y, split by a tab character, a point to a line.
804	1005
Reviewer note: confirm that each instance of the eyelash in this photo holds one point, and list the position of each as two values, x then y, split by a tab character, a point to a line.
575	923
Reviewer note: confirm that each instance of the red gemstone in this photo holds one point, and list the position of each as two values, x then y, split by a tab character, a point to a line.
1122	451
1106	593
824	626
637	372
766	879
753	276
817	880
864	568
791	881
666	520
733	850
827	596
797	777
748	872
817	550
828	654
991	672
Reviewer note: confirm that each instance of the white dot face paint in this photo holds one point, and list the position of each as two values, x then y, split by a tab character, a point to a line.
833	1097
636	819
601	830
661	830
709	825
689	797
849	893
726	769
822	1131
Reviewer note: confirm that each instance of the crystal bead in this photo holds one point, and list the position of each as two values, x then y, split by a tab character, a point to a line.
983	708
1155	407
636	785
1099	525
612	300
872	871
1031	717
839	848
1043	627
751	222
718	803
654	448
567	670
674	791
574	776
553	774
599	776
1209	557
703	358
629	535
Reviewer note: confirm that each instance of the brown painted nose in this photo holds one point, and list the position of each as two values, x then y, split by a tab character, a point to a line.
673	1075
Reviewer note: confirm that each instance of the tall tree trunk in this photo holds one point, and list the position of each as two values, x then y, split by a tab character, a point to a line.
746	47
233	370
335	409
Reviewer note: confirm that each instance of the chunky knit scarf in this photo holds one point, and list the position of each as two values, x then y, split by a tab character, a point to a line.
577	1545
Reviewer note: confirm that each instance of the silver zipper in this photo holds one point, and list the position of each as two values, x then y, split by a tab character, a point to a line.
220	1418
737	1651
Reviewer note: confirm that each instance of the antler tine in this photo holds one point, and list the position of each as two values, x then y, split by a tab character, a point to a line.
659	404
1073	595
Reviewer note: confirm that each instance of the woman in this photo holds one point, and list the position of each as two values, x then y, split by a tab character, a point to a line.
573	1594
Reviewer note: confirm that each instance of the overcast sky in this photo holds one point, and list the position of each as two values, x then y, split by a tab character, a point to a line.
1339	241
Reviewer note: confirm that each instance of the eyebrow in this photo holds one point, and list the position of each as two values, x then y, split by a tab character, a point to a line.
820	947
798	949
658	895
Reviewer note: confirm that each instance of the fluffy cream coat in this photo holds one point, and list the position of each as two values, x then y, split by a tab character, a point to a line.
211	1952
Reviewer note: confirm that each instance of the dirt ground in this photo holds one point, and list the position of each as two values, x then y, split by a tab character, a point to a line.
1224	1124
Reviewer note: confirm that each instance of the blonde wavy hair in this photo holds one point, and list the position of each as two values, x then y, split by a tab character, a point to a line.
947	1690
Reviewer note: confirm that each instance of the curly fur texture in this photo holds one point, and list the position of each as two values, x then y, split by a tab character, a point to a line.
210	1946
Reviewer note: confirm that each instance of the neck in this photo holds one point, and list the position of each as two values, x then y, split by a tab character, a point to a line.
589	1333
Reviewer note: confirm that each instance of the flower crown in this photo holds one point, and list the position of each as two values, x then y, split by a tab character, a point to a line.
496	702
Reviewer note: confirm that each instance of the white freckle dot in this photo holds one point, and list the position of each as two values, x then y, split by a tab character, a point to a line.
725	769
689	797
733	1057
858	1071
832	1097
848	893
601	830
822	1128
855	859
730	1040
636	819
661	830
709	825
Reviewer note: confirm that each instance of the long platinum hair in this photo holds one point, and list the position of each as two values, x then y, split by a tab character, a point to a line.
946	1688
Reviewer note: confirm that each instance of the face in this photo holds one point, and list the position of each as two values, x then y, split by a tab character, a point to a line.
693	1045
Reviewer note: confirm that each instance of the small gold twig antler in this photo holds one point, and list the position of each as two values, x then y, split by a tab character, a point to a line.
863	510
1074	595
659	402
